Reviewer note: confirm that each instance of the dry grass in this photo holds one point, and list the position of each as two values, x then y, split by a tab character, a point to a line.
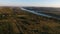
16	21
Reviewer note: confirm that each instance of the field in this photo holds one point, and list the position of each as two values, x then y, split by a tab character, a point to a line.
13	20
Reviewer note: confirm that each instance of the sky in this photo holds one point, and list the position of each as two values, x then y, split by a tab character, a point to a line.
41	3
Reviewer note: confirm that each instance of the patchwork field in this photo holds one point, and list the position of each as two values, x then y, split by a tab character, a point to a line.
13	20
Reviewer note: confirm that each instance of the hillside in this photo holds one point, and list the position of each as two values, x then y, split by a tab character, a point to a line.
13	20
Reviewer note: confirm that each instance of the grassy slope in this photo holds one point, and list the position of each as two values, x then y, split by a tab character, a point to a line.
21	22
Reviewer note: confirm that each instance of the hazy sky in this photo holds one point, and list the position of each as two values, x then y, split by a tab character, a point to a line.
46	3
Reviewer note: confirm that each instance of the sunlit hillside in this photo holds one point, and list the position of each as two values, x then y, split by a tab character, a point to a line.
13	20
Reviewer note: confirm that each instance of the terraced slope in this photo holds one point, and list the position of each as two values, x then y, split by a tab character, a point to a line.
16	21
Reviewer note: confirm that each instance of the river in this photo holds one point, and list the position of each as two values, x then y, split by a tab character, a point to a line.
41	14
